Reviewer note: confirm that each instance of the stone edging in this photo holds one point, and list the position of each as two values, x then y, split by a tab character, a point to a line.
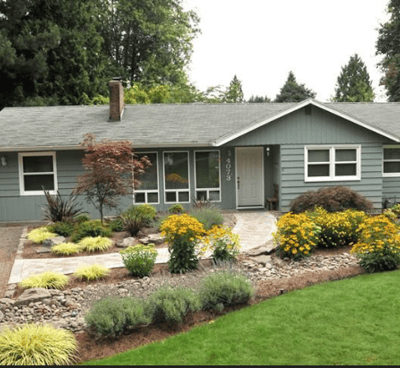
22	241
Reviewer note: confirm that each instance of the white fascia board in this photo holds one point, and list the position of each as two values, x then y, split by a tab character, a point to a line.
227	138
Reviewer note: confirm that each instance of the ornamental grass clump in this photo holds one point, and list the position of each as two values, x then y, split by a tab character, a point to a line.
221	289
378	246
183	233
95	244
66	249
223	243
91	272
171	304
47	280
40	234
139	259
338	229
34	344
296	236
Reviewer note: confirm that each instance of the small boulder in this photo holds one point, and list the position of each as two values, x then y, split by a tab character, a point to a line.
32	295
126	242
41	250
54	241
155	239
262	259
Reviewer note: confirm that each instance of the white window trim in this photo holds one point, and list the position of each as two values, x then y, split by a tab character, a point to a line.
388	175
177	191
147	191
332	162
21	155
219	172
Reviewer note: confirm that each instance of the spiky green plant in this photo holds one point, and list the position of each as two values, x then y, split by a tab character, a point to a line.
94	244
40	234
47	280
92	272
66	249
33	344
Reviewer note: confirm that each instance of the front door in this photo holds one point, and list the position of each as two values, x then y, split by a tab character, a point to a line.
249	177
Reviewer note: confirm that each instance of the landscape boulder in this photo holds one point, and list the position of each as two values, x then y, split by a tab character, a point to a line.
32	295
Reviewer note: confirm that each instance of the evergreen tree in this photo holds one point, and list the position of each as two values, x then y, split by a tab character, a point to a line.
353	83
293	91
388	45
259	99
234	93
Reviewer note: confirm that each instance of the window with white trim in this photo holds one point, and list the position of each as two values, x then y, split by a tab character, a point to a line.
332	163
37	170
391	161
176	176
146	191
207	172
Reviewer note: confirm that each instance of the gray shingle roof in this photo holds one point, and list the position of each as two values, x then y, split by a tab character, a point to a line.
161	125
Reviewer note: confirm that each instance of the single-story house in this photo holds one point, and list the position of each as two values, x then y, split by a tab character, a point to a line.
236	155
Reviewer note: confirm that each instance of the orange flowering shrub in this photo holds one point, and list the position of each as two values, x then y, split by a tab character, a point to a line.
296	236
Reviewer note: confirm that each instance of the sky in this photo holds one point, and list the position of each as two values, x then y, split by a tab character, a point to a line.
262	40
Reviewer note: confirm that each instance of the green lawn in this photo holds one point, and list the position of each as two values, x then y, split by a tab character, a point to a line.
352	322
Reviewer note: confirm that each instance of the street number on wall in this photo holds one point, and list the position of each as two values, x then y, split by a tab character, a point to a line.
228	169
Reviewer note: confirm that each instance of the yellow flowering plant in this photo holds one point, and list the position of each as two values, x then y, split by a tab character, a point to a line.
296	236
182	233
338	228
378	246
224	244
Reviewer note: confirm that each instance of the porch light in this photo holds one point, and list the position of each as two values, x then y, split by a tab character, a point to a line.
3	160
267	149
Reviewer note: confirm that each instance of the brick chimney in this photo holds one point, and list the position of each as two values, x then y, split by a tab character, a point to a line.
116	99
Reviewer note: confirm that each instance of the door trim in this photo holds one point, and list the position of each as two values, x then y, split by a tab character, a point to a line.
262	184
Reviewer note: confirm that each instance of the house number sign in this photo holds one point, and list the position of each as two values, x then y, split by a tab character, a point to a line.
228	169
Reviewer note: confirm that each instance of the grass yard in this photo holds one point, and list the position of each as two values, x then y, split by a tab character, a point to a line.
352	322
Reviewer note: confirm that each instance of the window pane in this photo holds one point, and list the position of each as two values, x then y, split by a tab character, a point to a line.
36	164
207	169
346	170
201	195
318	155
148	180
346	155
183	196
152	197
391	153
35	182
391	167
318	170
171	196
140	198
176	170
214	195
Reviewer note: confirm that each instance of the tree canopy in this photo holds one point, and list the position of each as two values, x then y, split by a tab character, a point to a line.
388	45
293	91
353	83
234	93
258	99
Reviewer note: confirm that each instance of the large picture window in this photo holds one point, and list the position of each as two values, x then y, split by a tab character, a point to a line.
147	190
391	161
332	163
207	172
37	170
176	177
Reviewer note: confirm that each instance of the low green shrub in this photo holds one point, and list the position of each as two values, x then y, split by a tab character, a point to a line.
62	228
91	272
82	218
95	244
176	209
171	304
390	214
116	225
209	217
137	217
47	280
34	344
396	209
113	316
40	234
378	246
221	289
139	259
91	228
66	249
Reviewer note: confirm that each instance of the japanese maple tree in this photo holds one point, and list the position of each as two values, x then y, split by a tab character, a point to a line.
112	171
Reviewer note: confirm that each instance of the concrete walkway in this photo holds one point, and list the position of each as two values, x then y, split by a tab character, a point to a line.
255	228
